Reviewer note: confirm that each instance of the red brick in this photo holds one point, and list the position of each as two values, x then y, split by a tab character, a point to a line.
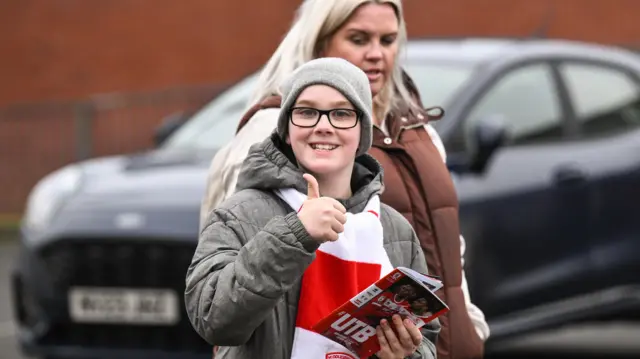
58	54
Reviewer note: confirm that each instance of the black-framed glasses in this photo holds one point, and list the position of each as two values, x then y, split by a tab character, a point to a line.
341	118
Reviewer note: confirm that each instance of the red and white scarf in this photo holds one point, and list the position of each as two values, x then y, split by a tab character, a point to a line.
340	270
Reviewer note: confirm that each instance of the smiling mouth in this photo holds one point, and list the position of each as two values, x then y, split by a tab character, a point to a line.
374	73
323	147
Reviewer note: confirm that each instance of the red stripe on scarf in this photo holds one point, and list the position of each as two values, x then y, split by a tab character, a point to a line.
329	282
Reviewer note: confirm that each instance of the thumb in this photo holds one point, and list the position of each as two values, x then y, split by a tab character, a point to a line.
313	189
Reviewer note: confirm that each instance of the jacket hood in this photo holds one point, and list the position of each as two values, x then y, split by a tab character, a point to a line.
270	165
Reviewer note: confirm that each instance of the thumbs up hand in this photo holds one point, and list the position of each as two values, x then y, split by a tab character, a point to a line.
322	217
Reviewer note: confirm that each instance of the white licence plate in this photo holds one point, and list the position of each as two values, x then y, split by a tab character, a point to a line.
124	306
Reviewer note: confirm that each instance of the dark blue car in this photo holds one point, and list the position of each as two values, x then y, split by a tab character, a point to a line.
543	139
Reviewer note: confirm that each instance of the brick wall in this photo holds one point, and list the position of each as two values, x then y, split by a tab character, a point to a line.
58	53
65	49
37	139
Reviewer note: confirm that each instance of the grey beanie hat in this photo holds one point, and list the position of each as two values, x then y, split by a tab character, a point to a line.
340	74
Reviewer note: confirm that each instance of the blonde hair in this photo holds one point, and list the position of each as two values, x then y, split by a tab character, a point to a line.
315	22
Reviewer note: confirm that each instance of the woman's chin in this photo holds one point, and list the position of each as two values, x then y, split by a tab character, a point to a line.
376	87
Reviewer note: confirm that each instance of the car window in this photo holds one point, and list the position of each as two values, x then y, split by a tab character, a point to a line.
526	100
606	100
437	82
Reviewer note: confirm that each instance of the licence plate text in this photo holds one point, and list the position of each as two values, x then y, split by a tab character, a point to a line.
124	306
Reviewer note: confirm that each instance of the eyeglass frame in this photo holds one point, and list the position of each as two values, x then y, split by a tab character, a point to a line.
323	113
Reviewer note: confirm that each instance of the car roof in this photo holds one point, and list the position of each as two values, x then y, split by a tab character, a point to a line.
479	50
466	50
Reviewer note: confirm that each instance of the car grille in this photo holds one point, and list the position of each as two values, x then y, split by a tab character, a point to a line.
121	263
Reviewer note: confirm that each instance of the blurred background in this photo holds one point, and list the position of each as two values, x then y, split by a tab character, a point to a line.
84	80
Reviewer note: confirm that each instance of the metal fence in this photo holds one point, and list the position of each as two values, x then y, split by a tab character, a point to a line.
38	138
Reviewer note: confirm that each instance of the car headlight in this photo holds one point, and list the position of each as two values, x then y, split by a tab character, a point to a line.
49	194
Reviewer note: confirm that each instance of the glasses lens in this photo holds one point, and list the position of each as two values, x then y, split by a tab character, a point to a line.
343	118
304	117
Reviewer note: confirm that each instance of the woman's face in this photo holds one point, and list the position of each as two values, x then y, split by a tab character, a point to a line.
323	149
368	40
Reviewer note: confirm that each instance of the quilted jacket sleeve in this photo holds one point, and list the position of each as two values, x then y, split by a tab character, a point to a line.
234	282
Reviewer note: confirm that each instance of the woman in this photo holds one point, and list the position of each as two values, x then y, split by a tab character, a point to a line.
371	34
271	261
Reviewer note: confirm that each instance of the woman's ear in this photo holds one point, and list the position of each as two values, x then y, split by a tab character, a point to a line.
320	49
287	139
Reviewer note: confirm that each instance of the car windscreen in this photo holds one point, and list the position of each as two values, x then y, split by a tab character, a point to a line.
215	124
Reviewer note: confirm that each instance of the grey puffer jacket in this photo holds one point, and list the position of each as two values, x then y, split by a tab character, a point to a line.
243	284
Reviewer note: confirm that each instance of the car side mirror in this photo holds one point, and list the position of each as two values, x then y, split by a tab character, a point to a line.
168	126
489	133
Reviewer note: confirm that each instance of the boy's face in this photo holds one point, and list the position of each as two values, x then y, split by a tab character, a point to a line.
323	149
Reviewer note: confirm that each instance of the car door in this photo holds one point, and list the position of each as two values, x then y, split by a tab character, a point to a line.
523	218
606	102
